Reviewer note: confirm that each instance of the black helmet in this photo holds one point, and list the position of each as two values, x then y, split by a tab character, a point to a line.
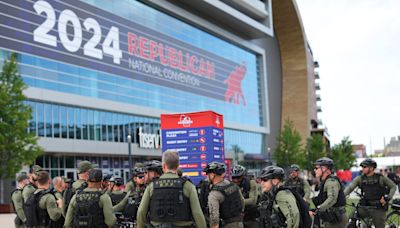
294	167
154	165
324	161
369	163
138	170
238	171
107	177
215	167
117	180
272	172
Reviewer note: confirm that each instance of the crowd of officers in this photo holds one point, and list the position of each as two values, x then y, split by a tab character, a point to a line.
158	196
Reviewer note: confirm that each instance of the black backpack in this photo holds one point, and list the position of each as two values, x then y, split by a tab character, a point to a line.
305	219
36	216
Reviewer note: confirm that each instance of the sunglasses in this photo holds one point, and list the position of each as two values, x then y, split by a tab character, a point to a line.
140	177
236	177
315	168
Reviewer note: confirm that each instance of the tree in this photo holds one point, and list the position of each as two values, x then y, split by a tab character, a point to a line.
343	155
315	149
289	149
17	146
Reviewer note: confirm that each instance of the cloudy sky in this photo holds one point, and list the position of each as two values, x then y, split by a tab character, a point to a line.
357	44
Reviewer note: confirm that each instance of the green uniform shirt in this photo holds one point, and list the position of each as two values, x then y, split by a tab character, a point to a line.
18	203
331	187
383	181
254	193
27	191
48	202
138	192
130	185
306	187
105	203
189	191
77	184
215	199
286	202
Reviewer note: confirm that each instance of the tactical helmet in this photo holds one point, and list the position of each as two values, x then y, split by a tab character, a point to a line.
368	163
324	161
294	167
238	171
272	172
154	165
117	180
215	167
138	170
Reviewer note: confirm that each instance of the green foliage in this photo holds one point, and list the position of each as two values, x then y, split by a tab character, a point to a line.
17	147
315	149
289	149
342	154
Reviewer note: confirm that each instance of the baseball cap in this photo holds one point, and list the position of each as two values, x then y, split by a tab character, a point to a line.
22	177
66	180
36	169
84	166
95	175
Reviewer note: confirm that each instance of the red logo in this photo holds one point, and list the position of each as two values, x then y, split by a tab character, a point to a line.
202	140
203	165
185	121
203	156
202	131
234	80
203	148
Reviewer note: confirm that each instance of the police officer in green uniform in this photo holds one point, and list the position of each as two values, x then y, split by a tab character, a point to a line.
170	201
83	174
116	194
105	184
153	170
42	207
91	207
297	183
31	187
250	192
17	201
138	169
330	202
225	201
279	207
374	192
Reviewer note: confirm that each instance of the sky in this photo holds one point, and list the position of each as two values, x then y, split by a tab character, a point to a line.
357	45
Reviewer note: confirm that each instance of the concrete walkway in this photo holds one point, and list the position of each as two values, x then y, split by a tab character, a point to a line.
7	220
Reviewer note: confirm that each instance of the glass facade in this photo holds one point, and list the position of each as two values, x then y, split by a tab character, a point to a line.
68	122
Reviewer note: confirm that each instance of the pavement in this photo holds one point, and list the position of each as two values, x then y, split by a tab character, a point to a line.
7	220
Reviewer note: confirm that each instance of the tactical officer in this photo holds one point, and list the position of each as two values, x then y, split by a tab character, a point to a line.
297	183
105	184
83	174
59	187
171	201
130	204
91	207
17	201
330	202
279	207
225	201
31	187
373	187
250	193
115	193
139	167
41	207
153	171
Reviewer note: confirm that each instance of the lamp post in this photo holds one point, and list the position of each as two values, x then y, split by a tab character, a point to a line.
130	155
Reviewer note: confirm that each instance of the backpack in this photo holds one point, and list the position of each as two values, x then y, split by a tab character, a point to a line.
36	216
305	219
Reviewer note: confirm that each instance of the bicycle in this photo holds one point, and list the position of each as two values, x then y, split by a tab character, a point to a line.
355	221
393	218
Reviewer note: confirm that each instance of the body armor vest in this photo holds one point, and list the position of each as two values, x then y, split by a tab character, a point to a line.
341	200
232	206
168	203
35	216
133	203
296	185
116	198
250	211
88	213
371	189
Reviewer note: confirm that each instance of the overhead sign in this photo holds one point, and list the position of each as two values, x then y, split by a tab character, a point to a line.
197	137
78	33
